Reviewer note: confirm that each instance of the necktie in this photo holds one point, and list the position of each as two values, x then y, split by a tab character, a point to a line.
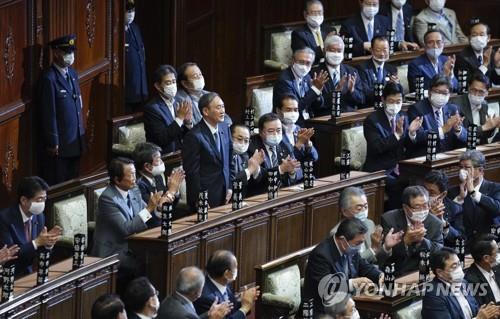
319	39
400	27
380	75
68	79
335	79
302	90
237	163
370	31
448	22
129	205
480	60
345	265
438	118
274	158
217	141
393	124
27	231
225	296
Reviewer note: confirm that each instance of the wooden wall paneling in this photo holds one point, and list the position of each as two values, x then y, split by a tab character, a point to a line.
30	313
9	158
322	215
288	229
117	9
183	254
90	291
375	196
222	237
61	305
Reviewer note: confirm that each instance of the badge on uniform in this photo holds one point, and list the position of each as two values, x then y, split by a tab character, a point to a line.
63	91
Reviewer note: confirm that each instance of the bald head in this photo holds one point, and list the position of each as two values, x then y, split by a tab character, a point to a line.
190	282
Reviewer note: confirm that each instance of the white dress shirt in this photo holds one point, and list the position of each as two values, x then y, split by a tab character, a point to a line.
144	214
334	71
490	278
395	11
170	107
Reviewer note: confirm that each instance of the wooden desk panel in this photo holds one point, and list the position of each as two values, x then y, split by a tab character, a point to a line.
257	233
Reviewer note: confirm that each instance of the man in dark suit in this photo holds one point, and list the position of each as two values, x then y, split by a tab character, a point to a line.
108	306
421	230
448	294
400	14
166	119
480	198
222	270
495	67
376	69
445	209
365	26
340	254
278	154
61	115
206	155
188	288
297	81
23	224
141	299
136	85
477	56
439	116
311	35
432	62
474	108
484	270
343	78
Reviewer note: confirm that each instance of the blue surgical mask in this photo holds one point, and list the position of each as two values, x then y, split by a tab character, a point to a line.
352	250
362	215
273	140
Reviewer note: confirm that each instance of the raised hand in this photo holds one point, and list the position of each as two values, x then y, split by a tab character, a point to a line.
184	110
351	82
376	238
392	238
320	79
415	125
8	253
342	82
175	180
449	65
255	161
400	125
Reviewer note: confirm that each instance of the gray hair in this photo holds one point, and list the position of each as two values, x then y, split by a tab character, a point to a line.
476	157
411	192
190	280
339	308
333	39
307	50
347	194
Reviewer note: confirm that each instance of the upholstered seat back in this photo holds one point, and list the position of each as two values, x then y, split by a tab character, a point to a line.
128	137
493	109
284	283
97	194
403	77
71	215
413	311
281	47
262	102
354	141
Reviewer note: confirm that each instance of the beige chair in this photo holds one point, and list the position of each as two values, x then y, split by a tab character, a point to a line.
403	78
262	102
71	215
128	137
413	311
354	141
281	50
493	109
281	291
97	193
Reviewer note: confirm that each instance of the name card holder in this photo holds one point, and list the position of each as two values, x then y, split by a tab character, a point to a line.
166	220
8	283
273	180
79	245
336	104
345	164
432	140
237	197
43	266
472	135
203	206
308	169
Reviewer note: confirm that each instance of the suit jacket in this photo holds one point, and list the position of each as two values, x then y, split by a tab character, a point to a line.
207	168
439	302
303	37
147	188
324	260
183	95
132	315
239	163
467	60
161	127
207	298
451	36
286	84
12	233
386	10
176	307
407	258
115	222
462	101
60	105
478	217
454	215
136	84
349	101
356	29
368	77
451	140
303	154
474	276
422	66
384	150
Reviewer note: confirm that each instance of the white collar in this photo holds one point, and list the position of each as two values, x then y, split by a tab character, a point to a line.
332	69
377	64
314	30
61	70
396	10
122	192
141	316
221	288
169	103
289	129
23	215
479	185
149	179
366	21
485	272
440	109
213	130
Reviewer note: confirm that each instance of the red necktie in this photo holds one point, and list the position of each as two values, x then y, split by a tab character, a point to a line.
27	231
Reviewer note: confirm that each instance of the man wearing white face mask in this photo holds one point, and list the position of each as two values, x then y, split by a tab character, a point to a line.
343	78
445	20
474	107
141	299
478	55
61	117
438	116
446	295
421	230
23	224
166	118
365	26
314	32
221	271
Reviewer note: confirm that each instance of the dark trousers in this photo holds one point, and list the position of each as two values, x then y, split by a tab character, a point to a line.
56	169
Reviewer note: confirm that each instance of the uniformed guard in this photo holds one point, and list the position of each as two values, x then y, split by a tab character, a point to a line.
136	89
60	106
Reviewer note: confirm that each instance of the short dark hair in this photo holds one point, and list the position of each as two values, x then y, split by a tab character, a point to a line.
268	117
219	262
412	192
29	186
349	228
163	70
239	125
439	79
205	100
482	246
392	88
432	31
107	306
439	257
287	96
137	294
181	71
437	178
308	3
116	168
378	38
479	77
144	153
488	30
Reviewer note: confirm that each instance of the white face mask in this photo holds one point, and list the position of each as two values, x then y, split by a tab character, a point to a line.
393	108
362	215
291	116
497	70
129	17
434	53
436	5
240	148
497	261
314	21
369	12
420	216
198	84
273	140
380	60
158	169
334	58
155	306
301	70
235	275
69	59
439	100
478	43
457	275
355	314
170	90
37	208
462	175
476	100
398	3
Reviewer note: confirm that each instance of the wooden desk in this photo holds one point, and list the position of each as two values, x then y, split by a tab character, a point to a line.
260	232
67	294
